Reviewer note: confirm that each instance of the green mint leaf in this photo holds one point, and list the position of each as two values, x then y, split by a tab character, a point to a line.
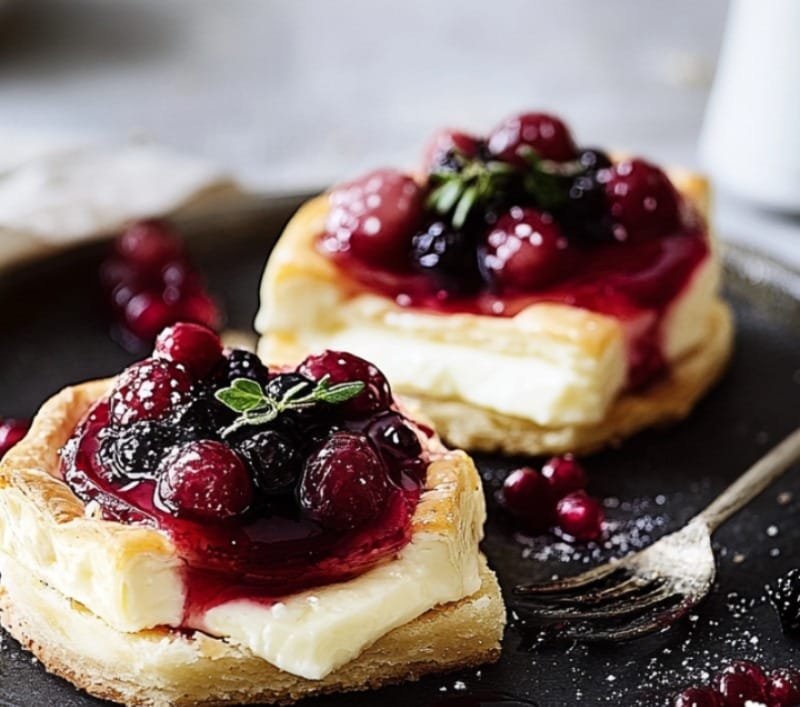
465	204
446	196
339	393
242	395
248	386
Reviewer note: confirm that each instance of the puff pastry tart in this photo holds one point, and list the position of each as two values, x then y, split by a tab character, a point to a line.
531	295
202	530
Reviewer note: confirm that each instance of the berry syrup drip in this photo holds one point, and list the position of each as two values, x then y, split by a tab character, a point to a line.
314	483
520	217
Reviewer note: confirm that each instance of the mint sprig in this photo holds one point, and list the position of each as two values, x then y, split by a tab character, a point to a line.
257	407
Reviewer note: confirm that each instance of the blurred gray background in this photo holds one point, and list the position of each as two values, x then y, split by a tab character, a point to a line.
294	94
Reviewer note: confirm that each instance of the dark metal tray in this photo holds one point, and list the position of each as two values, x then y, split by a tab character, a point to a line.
53	333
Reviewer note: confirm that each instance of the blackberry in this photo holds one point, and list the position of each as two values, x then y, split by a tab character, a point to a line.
135	451
272	459
593	159
585	215
448	255
241	364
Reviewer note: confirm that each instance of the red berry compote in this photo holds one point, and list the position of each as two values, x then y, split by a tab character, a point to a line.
267	481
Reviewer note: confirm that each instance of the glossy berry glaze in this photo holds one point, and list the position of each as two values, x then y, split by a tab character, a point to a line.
318	494
523	216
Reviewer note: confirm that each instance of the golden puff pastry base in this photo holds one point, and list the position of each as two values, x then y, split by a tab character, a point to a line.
468	426
42	525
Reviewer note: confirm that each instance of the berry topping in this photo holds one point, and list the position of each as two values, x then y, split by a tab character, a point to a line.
593	159
195	346
699	697
580	516
374	218
204	481
344	483
527	495
149	244
149	390
565	475
643	203
783	688
241	364
785	597
272	459
11	432
741	682
342	367
525	251
399	447
545	134
439	152
136	451
448	256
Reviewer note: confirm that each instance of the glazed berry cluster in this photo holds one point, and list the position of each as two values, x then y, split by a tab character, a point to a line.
554	497
149	283
220	438
507	213
744	683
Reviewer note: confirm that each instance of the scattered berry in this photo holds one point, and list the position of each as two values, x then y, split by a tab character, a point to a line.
525	251
699	697
344	483
448	256
440	150
195	346
400	448
375	217
272	459
548	136
148	390
580	516
149	244
527	495
741	682
204	481
344	367
11	432
565	475
643	203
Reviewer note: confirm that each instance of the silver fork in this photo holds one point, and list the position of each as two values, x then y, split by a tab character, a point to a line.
651	589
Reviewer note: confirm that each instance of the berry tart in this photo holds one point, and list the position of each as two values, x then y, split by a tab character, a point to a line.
533	296
203	530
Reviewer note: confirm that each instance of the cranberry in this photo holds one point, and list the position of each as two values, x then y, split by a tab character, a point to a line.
580	516
149	244
448	255
699	697
400	448
643	203
273	460
548	136
204	481
525	251
148	390
342	367
375	217
11	432
443	145
195	346
527	495
565	475
343	484
783	688
198	306
740	682
146	313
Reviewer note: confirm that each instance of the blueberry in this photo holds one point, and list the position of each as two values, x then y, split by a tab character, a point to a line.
399	447
272	459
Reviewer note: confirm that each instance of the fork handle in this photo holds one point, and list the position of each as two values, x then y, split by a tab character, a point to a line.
752	482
